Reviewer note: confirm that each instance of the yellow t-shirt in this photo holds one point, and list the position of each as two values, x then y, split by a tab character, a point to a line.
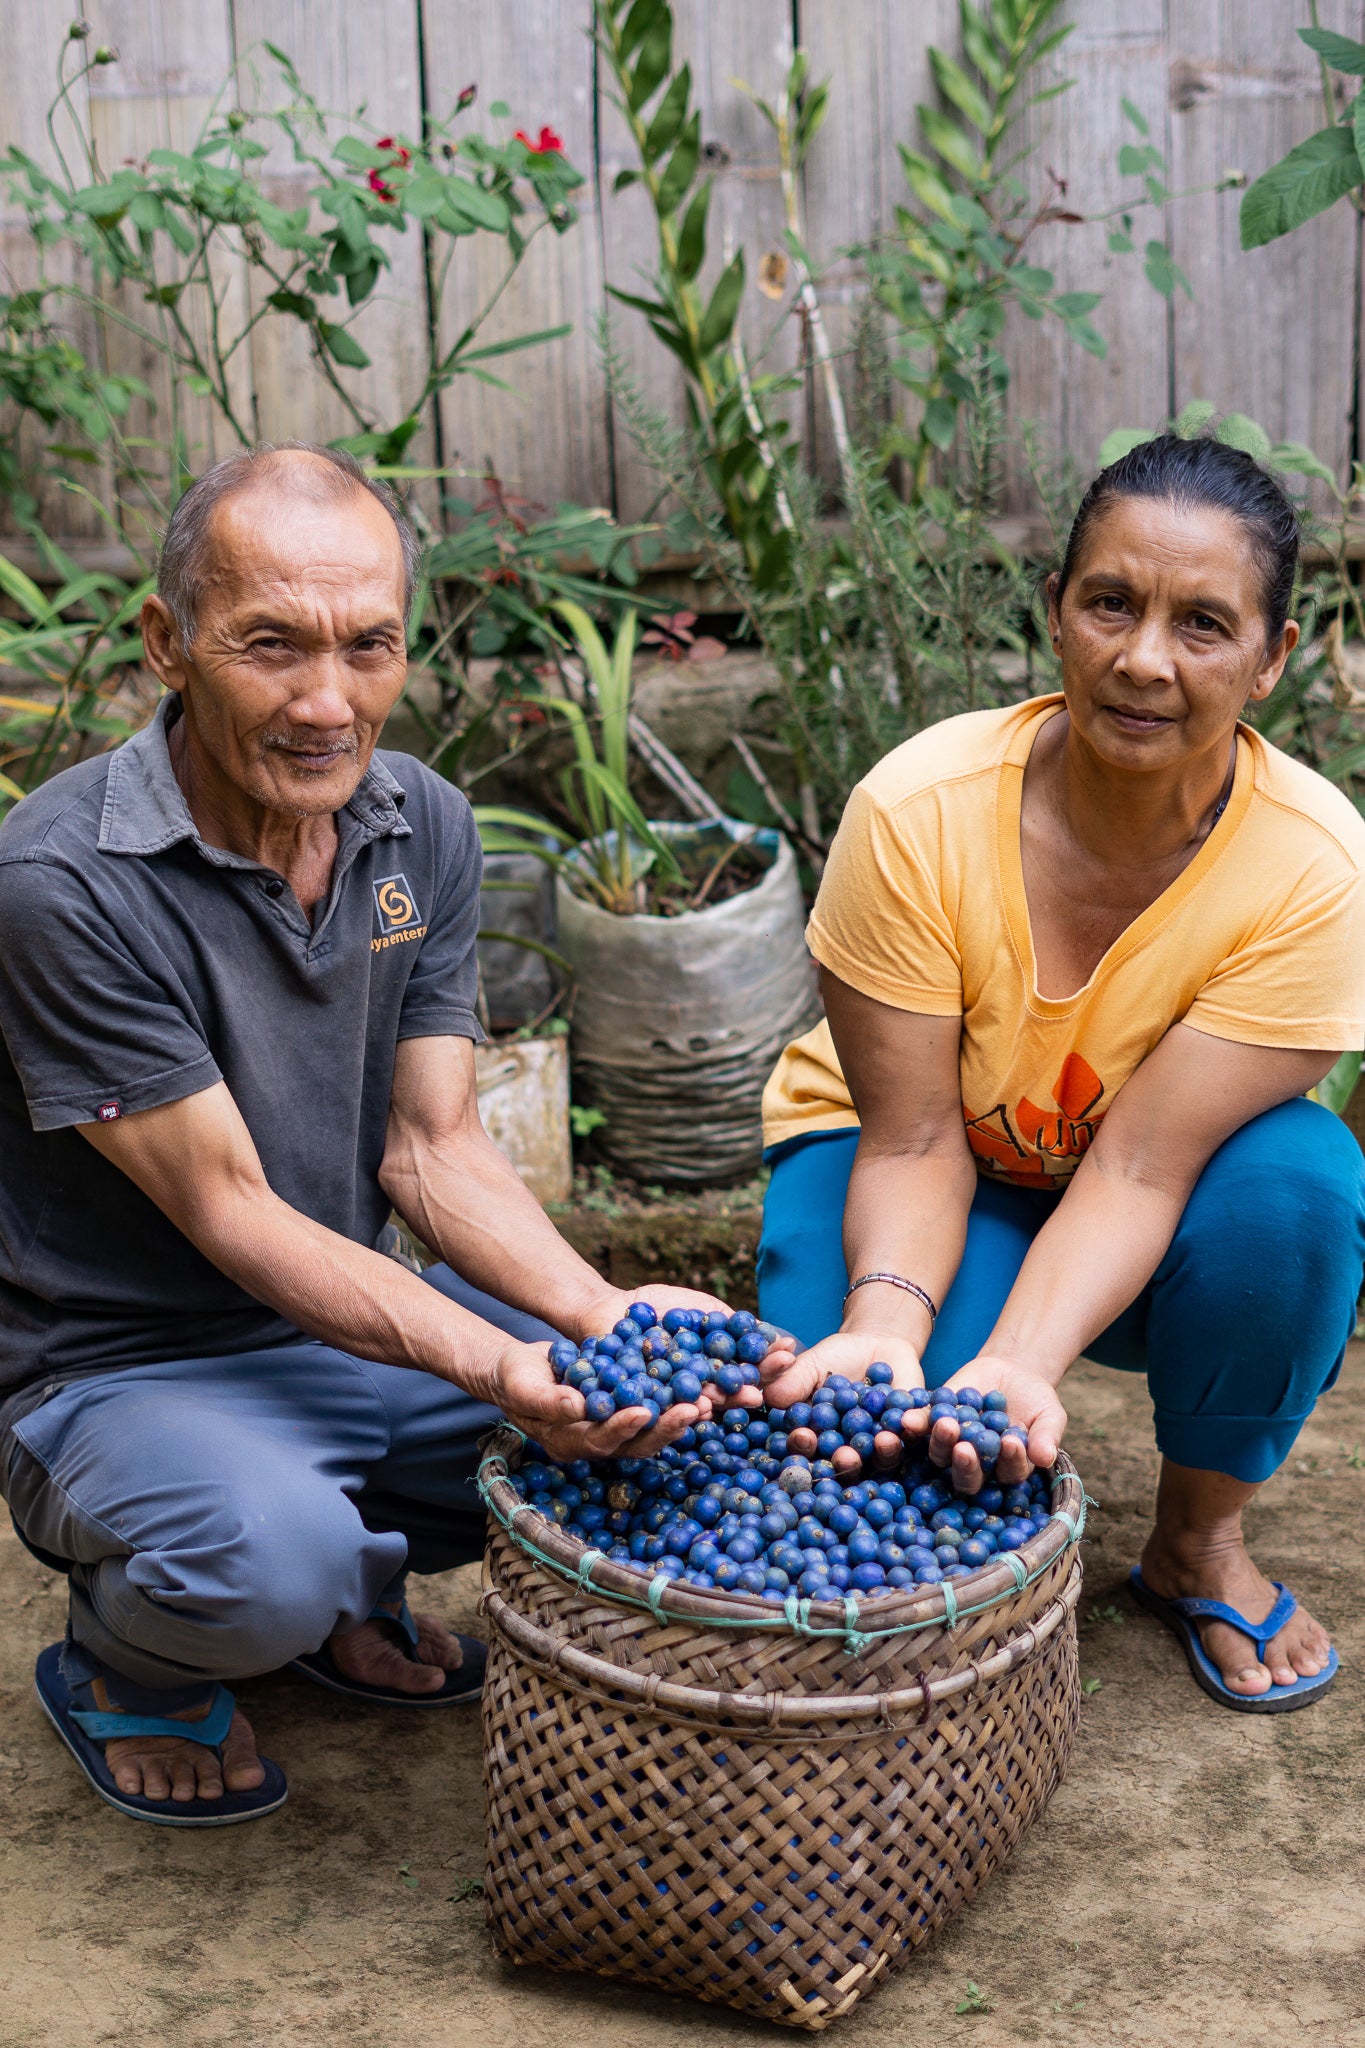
1261	940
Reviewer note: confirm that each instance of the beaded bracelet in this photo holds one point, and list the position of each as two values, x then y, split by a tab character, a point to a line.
894	1280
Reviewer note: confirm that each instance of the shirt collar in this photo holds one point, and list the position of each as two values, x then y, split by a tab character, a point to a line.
145	809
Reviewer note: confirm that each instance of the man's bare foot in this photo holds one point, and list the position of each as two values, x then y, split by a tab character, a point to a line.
370	1654
1219	1568
160	1767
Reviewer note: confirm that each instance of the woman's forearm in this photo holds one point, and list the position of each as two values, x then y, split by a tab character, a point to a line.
1092	1258
906	1213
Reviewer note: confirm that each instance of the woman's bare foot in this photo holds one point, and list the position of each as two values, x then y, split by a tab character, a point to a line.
1197	1551
370	1654
160	1767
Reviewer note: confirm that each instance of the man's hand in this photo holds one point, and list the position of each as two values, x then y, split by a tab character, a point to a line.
790	1376
613	1303
1032	1402
521	1382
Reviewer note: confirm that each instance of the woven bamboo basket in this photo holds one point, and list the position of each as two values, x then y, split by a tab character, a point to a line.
767	1808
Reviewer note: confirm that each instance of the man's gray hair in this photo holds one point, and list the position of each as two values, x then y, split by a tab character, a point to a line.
184	563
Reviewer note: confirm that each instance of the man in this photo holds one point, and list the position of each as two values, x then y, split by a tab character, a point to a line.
237	989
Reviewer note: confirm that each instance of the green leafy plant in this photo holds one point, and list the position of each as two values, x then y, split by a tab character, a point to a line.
154	244
1328	166
75	652
975	2000
619	848
45	379
958	258
739	437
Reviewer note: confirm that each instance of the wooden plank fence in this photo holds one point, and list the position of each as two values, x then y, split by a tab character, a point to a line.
1223	84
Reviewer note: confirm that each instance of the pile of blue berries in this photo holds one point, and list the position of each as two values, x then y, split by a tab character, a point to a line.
776	1502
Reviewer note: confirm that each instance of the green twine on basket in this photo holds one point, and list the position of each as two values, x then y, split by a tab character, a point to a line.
795	1613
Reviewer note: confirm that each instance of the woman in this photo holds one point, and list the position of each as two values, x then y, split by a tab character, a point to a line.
1082	958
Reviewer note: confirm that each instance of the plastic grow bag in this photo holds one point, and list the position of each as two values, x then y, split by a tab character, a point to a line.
677	1021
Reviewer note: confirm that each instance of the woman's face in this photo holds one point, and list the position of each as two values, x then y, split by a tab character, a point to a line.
1161	633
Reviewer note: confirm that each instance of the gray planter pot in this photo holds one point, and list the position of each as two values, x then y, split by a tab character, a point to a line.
677	1021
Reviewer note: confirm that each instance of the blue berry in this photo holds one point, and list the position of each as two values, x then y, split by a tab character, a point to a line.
641	1314
880	1374
751	1349
719	1346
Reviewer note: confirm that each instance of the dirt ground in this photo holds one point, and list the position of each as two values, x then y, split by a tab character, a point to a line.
1197	1879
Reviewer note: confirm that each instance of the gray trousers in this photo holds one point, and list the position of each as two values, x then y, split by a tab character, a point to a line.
222	1515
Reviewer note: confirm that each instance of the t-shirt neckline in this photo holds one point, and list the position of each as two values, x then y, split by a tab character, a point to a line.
1010	858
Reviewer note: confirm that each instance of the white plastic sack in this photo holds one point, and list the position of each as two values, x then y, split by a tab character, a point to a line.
677	1021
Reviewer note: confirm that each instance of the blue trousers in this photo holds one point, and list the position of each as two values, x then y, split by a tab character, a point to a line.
222	1515
1243	1324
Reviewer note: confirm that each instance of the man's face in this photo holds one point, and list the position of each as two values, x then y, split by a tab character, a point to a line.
299	651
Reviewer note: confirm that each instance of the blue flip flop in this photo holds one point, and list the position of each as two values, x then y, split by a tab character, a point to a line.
464	1684
1181	1616
85	1733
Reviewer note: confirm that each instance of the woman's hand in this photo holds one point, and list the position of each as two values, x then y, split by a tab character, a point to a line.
1033	1403
793	1376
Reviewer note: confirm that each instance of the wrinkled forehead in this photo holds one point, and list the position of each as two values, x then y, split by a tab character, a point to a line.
1151	540
271	543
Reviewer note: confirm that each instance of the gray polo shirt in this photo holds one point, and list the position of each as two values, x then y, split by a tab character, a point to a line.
138	966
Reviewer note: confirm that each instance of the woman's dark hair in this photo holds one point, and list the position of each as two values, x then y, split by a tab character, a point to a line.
1203	471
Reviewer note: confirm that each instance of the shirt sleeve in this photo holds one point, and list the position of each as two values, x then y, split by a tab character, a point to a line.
442	990
95	1030
1300	981
879	920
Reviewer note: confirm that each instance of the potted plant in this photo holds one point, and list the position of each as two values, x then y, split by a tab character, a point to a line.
686	945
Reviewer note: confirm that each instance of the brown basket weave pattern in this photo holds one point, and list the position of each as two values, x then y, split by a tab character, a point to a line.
751	1814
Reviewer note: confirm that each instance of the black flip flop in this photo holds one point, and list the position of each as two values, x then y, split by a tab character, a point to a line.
85	1732
464	1684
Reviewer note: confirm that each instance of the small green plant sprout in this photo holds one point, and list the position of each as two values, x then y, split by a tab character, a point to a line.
1354	1456
618	847
583	1122
1089	1687
1108	1614
975	2001
1328	166
465	1888
406	1878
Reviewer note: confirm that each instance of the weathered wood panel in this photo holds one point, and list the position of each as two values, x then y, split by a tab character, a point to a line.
1268	331
725	45
360	59
546	437
876	60
34	34
174	61
1117	51
1223	83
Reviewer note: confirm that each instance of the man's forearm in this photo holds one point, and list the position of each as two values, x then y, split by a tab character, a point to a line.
1090	1260
343	1293
906	1213
467	1202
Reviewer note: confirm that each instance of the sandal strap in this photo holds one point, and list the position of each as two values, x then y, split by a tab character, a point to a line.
1218	1610
210	1731
403	1619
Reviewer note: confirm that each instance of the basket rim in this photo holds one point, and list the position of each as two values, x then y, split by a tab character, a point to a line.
671	1600
773	1714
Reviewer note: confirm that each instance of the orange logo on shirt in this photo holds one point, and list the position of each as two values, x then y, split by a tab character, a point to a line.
393	901
1019	1149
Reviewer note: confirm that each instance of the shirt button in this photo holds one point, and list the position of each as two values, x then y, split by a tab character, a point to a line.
274	887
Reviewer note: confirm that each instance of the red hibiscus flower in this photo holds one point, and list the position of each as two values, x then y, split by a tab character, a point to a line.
549	142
